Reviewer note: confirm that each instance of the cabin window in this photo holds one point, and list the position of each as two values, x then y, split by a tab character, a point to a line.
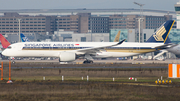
9	47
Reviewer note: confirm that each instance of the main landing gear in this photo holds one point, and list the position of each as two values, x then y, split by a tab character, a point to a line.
13	61
88	61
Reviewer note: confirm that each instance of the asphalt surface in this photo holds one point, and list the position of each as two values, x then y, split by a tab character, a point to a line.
105	61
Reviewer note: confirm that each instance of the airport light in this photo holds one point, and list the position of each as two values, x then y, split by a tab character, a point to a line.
141	7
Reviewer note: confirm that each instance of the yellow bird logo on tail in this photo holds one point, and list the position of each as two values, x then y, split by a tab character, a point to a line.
159	34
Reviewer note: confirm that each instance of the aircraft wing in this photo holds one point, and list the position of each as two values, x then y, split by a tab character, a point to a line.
97	49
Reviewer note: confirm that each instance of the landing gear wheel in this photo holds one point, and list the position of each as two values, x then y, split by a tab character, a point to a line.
13	62
87	61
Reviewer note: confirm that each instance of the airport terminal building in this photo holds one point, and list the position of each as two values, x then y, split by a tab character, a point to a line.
80	23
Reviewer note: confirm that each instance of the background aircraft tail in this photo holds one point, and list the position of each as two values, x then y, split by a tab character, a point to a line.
117	37
4	42
161	35
23	38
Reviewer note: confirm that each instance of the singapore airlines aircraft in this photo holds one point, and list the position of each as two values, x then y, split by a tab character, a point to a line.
70	51
174	49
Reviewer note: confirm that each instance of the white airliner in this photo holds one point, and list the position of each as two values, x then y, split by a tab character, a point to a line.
175	50
4	43
70	51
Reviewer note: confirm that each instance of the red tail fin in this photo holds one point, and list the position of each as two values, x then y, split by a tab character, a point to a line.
4	42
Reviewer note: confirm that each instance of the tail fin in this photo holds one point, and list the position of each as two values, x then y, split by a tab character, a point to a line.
161	35
4	42
23	38
117	37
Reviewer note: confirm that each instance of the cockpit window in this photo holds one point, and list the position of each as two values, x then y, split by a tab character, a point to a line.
9	47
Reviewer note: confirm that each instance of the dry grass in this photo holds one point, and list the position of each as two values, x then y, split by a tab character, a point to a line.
76	74
29	86
82	91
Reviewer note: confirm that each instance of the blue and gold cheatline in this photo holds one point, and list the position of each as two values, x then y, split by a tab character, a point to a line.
108	49
161	35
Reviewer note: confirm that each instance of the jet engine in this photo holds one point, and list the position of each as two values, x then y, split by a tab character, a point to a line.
67	56
178	56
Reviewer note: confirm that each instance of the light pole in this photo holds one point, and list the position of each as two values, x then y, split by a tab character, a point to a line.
58	25
19	20
141	17
91	28
139	21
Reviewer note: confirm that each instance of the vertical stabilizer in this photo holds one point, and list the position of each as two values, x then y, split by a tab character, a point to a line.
117	37
24	38
4	42
161	35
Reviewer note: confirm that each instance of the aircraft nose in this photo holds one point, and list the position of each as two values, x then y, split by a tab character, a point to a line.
4	52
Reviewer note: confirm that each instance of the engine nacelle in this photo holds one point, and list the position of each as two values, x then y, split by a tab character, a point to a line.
67	56
178	56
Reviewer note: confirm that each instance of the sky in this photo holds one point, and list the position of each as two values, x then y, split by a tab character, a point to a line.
88	4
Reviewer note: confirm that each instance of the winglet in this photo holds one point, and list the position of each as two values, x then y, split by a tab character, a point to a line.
4	42
118	43
121	41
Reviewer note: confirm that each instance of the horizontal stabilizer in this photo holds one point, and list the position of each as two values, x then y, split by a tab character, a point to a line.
166	46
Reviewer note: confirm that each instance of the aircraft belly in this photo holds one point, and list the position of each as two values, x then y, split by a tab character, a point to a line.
122	54
114	54
35	53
